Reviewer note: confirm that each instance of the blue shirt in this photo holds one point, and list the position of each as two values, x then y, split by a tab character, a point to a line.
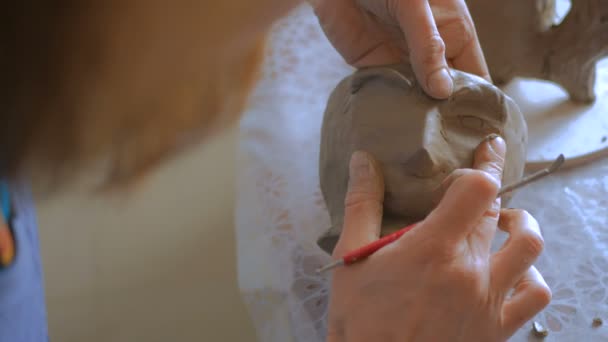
22	305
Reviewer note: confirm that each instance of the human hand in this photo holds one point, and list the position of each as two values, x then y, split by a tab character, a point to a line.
431	34
439	282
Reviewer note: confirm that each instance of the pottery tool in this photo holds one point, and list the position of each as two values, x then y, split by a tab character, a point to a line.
367	250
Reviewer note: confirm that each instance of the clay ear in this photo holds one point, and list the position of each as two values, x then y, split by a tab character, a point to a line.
477	99
473	92
363	76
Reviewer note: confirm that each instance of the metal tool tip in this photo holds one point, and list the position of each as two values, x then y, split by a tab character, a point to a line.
330	266
557	163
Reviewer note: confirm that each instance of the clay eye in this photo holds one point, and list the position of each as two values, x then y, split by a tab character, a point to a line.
472	122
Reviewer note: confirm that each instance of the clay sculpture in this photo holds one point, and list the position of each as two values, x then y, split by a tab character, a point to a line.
417	140
521	39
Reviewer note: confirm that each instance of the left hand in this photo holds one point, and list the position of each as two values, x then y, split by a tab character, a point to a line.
432	34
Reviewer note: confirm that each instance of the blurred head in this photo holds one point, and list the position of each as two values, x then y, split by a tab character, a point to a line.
418	141
127	82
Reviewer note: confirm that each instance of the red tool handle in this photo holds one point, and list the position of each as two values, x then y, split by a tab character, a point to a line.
367	250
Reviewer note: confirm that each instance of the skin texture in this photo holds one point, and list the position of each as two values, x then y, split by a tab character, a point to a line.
448	287
520	40
418	141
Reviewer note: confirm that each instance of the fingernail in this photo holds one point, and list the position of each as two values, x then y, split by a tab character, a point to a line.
360	166
440	83
497	144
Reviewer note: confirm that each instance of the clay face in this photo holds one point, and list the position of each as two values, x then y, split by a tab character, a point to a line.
417	140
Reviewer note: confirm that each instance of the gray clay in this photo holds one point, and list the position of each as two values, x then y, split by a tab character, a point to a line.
417	140
520	39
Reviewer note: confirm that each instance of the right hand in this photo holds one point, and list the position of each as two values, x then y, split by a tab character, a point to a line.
439	282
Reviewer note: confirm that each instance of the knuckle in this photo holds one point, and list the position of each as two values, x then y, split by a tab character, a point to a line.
542	294
452	177
459	173
467	277
527	217
362	200
494	166
532	242
466	29
466	274
433	51
518	214
482	182
364	189
462	28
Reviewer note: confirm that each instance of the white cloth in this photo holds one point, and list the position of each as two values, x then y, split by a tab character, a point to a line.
280	210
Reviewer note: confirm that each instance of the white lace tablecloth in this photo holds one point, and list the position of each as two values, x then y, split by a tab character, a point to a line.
280	210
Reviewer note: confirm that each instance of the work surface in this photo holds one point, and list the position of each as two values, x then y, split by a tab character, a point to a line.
280	211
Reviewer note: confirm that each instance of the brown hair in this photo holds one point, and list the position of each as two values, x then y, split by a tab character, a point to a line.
129	81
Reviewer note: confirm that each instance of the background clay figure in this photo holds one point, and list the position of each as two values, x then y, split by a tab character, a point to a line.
519	38
417	140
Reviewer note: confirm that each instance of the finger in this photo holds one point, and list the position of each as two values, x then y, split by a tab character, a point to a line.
427	49
447	183
347	26
471	59
519	252
471	195
363	204
531	295
490	158
462	44
343	25
462	207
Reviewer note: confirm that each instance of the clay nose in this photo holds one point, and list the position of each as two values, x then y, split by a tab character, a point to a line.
421	164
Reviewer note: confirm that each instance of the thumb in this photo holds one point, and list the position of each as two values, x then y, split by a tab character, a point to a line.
363	204
471	198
